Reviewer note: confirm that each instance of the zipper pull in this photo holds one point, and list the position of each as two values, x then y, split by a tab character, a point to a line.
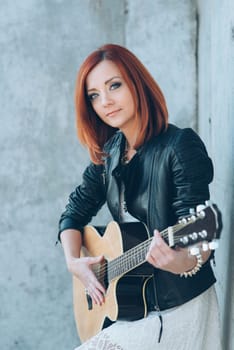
104	177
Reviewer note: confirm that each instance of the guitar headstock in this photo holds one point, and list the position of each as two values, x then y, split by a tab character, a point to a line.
203	225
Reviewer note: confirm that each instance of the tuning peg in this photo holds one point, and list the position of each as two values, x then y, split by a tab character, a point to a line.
184	240
205	246
194	250
192	211
193	236
203	234
213	244
183	221
192	218
200	211
200	207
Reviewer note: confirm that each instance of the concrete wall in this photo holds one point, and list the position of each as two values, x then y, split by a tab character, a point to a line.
42	44
163	35
216	126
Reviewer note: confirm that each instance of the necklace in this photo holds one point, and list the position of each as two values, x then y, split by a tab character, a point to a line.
127	154
124	159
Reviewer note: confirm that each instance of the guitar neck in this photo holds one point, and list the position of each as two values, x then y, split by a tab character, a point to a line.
205	225
136	256
129	260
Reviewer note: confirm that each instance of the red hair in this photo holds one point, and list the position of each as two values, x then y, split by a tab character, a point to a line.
148	98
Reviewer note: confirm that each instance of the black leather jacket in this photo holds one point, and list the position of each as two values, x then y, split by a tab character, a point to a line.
167	176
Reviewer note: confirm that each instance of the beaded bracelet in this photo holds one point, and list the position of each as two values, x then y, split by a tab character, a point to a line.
196	268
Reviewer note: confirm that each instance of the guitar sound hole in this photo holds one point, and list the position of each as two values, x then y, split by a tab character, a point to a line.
100	271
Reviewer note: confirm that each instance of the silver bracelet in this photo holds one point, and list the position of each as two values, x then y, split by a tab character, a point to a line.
196	268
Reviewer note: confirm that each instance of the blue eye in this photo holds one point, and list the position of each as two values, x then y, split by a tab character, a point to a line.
115	85
91	97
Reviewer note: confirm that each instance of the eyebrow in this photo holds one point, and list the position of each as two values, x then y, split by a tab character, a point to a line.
107	81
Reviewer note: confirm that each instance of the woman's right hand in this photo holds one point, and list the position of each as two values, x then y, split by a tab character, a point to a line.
82	269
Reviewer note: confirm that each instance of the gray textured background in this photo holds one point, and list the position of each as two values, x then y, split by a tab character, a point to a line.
188	47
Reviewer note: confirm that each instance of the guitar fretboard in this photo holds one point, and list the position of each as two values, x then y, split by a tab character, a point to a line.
136	255
205	226
129	260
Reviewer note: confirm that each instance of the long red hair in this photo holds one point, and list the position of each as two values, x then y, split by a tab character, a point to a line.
148	98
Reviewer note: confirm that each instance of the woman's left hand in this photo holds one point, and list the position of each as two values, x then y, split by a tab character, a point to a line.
177	261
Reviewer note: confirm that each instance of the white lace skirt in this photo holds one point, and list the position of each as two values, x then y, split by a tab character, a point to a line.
192	326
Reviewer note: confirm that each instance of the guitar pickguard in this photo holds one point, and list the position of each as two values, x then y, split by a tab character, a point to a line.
131	297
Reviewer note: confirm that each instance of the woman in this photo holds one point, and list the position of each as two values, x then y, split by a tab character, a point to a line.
150	171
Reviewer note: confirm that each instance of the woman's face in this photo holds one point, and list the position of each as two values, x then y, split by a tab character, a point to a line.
110	96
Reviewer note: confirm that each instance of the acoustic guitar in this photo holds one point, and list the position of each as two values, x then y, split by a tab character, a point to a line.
125	273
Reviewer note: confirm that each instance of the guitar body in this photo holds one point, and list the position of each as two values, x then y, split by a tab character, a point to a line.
125	295
124	271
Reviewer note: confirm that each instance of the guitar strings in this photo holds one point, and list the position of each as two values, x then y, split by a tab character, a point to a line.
118	265
135	255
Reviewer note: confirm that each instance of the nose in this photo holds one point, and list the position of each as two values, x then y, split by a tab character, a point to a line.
106	100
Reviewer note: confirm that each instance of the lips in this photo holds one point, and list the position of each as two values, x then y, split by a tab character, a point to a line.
110	114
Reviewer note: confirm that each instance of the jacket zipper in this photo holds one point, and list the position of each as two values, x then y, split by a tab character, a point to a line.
156	306
149	213
104	176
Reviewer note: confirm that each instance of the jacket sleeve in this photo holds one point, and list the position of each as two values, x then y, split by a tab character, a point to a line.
192	171
85	201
